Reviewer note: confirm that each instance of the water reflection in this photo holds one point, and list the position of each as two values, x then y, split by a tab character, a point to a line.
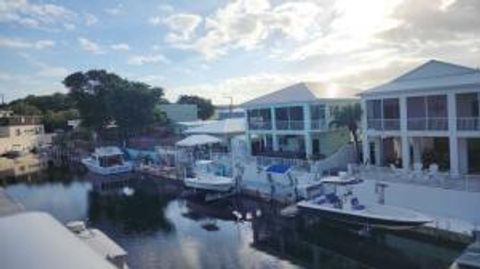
142	212
159	229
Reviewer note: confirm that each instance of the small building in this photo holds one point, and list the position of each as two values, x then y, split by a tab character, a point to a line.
180	112
21	133
430	115
294	122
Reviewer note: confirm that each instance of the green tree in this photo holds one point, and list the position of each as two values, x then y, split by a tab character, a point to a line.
205	106
349	116
22	108
103	98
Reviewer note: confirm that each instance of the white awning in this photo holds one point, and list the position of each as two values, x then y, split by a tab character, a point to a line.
197	140
222	127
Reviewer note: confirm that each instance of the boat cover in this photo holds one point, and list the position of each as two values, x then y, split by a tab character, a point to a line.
278	168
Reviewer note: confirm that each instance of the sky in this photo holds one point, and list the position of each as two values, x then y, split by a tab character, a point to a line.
237	49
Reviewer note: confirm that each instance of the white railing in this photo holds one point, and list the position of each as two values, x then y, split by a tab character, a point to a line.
469	183
431	124
290	124
260	125
383	124
468	124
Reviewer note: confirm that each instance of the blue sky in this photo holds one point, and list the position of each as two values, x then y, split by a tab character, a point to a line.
240	48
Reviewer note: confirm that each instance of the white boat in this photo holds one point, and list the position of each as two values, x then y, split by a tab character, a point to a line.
347	208
107	161
207	178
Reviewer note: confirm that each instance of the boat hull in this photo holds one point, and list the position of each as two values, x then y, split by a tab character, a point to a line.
360	220
111	170
209	185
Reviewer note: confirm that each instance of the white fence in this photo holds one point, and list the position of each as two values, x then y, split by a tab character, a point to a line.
469	183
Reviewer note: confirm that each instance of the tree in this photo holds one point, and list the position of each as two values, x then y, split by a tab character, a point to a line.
205	106
349	116
22	108
103	98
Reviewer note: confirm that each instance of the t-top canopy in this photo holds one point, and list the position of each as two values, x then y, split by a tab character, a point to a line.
197	140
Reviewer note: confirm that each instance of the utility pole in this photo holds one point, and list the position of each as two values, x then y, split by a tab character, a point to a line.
230	107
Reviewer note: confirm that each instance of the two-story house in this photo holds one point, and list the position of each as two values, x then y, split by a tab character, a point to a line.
21	133
428	115
294	122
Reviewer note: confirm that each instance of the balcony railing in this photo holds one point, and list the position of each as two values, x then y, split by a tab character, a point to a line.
290	125
260	125
468	124
318	124
384	124
430	124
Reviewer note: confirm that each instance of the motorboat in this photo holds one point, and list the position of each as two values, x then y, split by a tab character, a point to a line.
347	208
107	161
210	177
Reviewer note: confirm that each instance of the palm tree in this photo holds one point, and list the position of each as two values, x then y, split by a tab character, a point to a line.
348	116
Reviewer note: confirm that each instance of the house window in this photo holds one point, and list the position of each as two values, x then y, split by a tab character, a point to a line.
289	118
259	118
318	116
374	114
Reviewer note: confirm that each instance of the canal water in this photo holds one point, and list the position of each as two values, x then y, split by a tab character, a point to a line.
160	228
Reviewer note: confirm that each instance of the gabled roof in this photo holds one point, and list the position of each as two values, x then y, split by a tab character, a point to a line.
433	74
303	92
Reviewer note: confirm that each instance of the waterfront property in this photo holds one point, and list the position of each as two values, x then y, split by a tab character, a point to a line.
21	133
428	118
294	122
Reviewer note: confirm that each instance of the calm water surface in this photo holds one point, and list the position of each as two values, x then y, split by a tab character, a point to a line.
159	229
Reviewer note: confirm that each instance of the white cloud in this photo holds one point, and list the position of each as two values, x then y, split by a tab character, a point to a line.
147	59
247	24
90	19
114	11
120	46
182	26
23	44
53	72
165	8
34	15
89	45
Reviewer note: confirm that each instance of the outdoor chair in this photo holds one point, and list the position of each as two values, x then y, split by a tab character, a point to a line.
396	171
433	171
417	171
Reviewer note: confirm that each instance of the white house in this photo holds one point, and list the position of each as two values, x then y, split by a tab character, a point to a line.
429	115
21	133
294	122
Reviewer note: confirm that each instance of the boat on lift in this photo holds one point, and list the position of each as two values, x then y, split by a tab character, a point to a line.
347	208
107	161
209	176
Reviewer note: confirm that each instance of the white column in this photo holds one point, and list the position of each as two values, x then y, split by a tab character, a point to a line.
249	143
274	120
307	118
275	142
404	133
365	142
308	144
452	134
